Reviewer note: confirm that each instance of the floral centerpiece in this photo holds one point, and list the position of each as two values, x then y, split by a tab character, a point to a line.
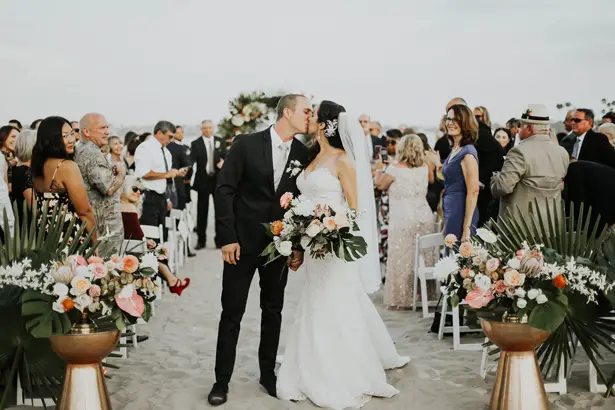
320	229
247	112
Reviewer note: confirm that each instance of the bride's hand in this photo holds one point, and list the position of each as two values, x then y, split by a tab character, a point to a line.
295	262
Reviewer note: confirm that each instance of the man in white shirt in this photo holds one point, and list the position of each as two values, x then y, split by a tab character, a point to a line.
153	166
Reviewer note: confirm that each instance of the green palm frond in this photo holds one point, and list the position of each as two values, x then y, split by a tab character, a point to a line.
586	324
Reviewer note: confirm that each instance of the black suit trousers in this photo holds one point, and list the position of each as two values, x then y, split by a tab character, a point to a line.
203	209
236	282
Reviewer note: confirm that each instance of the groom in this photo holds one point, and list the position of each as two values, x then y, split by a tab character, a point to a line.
250	185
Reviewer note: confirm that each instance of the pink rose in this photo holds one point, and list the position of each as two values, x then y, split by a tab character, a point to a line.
492	264
500	287
450	240
465	250
286	199
513	278
94	291
99	270
130	263
477	298
95	259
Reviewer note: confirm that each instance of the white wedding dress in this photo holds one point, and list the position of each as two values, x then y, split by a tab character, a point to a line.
338	347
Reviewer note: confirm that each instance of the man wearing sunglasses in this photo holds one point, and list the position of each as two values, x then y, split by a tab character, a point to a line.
590	145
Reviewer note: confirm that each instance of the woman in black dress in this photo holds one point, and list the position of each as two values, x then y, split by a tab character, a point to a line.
22	177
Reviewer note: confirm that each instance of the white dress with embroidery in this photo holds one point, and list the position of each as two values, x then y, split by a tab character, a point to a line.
338	348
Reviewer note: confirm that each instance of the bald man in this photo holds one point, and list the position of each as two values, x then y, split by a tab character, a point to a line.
490	160
102	183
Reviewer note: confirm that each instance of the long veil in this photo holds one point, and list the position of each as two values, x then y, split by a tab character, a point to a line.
355	145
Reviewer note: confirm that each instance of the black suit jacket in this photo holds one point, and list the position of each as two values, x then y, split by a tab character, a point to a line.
378	142
568	142
596	148
198	154
490	154
245	196
181	159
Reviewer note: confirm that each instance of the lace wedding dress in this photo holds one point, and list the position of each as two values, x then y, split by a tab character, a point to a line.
339	346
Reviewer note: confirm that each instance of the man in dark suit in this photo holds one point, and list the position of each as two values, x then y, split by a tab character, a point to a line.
590	145
570	138
378	140
181	159
490	160
208	153
250	186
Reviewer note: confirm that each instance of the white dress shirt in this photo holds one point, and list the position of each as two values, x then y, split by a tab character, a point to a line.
209	147
280	151
148	157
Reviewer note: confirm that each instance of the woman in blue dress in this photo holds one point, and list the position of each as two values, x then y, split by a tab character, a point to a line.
461	185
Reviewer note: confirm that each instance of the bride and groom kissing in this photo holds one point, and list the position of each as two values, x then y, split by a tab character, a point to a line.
338	347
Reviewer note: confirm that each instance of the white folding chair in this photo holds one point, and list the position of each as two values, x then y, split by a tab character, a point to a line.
437	224
171	242
456	328
594	385
181	236
157	233
424	273
31	401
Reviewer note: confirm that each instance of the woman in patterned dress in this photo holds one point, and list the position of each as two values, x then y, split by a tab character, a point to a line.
57	178
406	181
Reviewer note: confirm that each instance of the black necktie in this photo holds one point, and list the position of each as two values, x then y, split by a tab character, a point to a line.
170	181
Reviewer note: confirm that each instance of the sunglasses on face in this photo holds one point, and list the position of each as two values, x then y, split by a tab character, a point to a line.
577	120
479	117
136	190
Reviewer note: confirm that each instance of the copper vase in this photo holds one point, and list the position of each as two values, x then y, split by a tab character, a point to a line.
518	384
84	383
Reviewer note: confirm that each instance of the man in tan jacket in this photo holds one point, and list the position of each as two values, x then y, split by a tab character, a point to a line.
533	169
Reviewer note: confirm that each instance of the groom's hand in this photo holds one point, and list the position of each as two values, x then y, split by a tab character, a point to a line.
230	253
296	261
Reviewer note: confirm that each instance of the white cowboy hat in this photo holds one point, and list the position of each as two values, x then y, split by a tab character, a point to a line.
536	114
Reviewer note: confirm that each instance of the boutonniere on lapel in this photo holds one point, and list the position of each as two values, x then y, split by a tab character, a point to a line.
294	168
217	144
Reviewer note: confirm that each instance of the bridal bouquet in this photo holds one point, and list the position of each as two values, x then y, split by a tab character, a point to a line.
320	229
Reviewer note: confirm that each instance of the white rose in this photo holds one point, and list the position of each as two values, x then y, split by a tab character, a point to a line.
83	301
305	242
149	260
84	271
237	120
341	220
483	282
284	247
60	289
533	293
520	292
521	303
514	263
288	215
542	298
305	208
313	229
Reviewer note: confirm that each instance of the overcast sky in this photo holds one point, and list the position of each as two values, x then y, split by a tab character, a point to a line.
139	61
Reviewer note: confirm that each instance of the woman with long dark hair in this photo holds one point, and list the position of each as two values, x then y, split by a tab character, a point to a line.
55	176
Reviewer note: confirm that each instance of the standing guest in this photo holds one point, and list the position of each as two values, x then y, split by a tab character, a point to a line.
129	160
16	124
590	145
609	117
490	160
55	176
22	177
378	141
75	126
482	115
145	136
535	169
513	126
461	174
364	121
35	124
502	135
130	135
115	152
570	138
102	182
406	181
443	144
608	129
208	153
153	166
432	161
181	160
5	201
8	136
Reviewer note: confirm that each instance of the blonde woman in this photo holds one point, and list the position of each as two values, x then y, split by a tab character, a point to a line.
406	181
482	115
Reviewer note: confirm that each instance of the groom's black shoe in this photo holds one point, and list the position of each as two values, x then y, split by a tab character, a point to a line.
218	394
269	384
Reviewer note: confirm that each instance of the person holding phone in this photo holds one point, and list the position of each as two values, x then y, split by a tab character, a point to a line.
180	155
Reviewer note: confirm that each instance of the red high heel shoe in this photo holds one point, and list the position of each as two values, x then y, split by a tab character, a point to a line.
178	288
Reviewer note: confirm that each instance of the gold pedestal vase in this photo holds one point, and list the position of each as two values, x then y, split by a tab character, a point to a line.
518	384
83	350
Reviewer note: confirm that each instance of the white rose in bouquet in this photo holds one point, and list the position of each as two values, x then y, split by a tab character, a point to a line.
521	303
305	242
313	229
341	220
149	260
520	292
237	120
533	293
305	208
80	285
542	298
284	247
83	301
483	282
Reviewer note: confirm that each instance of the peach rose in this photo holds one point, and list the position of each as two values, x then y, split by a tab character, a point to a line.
465	249
492	264
99	270
500	287
94	291
115	258
450	240
514	278
329	223
130	263
286	199
79	285
477	298
95	259
276	227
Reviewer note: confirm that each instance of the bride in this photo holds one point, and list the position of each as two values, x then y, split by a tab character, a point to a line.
339	347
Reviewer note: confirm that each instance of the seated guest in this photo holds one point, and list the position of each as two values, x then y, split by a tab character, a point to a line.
22	177
534	169
129	200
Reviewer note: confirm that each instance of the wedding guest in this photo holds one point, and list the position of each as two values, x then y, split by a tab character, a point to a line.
5	201
443	144
55	176
129	159
16	124
35	124
608	129
115	152
609	117
590	145
513	126
482	115
378	142
568	141
102	182
364	120
8	136
490	160
406	181
145	136
432	161
129	200
502	135
461	174
533	170
181	160
22	177
75	126
130	135
207	153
